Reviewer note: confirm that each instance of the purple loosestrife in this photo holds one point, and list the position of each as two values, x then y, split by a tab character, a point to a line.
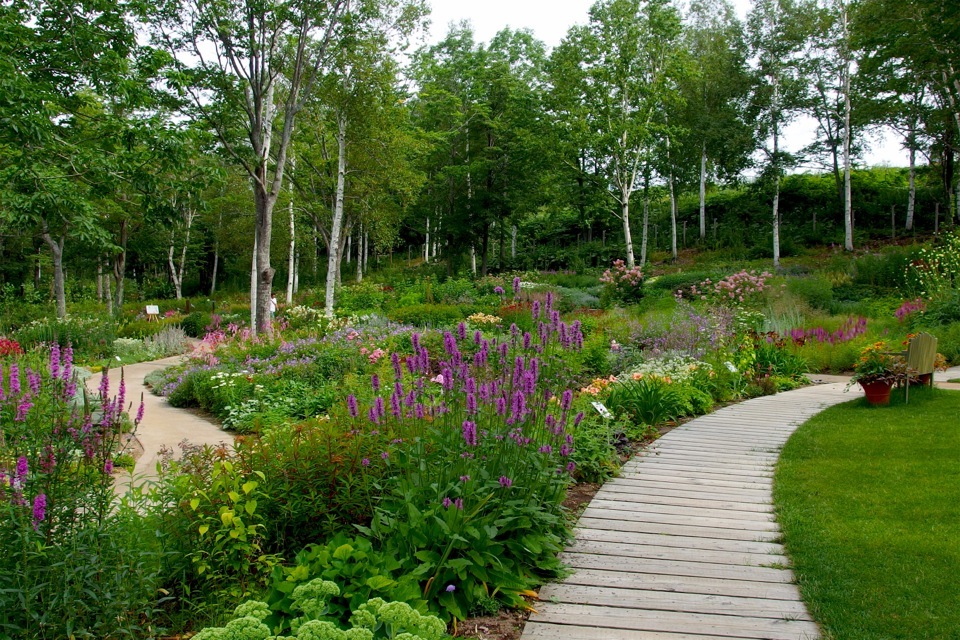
395	406
375	383
352	405
372	415
33	379
477	337
55	361
108	467
14	379
526	339
23	409
39	509
462	331
395	361
471	404
535	310
566	400
379	406
447	503
470	432
23	468
459	504
516	286
418	411
505	482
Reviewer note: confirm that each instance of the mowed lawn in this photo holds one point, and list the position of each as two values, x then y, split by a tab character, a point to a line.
869	502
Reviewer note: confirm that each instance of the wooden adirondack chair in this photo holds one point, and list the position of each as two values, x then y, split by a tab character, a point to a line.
920	355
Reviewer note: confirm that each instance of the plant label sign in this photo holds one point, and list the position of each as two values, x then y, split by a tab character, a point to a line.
602	410
153	310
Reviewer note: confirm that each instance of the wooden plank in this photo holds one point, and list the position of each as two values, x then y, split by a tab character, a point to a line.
679	519
535	630
682	510
730	474
678	448
666	601
765	550
633	549
678	568
708	463
667	529
644	620
690	482
684	584
626	494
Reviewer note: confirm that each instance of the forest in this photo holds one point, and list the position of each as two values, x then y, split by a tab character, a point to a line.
177	148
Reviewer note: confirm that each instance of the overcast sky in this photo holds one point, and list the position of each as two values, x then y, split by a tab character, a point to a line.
550	20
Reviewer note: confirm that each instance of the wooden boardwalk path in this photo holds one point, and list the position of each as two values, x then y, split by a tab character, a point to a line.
684	545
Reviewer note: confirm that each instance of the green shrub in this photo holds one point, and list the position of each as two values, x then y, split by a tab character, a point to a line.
428	315
195	323
817	291
91	337
360	298
649	400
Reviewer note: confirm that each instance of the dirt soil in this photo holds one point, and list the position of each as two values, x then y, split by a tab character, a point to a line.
506	625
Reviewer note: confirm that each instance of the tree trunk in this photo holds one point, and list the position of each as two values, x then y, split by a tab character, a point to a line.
292	247
484	249
776	222
253	287
625	215
107	294
473	260
216	253
360	254
847	200
99	279
59	290
703	191
912	194
426	243
335	230
513	243
120	268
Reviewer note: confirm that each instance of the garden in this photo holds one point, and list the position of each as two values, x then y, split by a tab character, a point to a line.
406	465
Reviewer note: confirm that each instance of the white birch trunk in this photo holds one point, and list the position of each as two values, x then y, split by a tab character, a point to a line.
912	194
253	289
426	243
847	199
703	191
513	242
625	216
333	259
292	248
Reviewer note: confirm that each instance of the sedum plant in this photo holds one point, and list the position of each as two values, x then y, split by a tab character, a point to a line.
374	620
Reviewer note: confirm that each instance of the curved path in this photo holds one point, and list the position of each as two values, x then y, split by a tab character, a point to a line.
683	545
163	425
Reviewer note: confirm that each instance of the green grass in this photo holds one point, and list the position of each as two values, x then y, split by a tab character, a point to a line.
869	502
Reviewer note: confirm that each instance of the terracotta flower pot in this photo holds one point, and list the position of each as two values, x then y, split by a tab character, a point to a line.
878	393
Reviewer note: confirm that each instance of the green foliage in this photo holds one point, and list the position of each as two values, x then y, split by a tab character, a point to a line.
649	400
360	298
428	315
196	323
363	572
91	338
817	291
207	513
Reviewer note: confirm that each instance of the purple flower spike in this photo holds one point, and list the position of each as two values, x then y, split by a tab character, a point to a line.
526	339
462	331
459	504
55	361
352	406
536	309
505	482
23	468
499	291
375	383
471	404
578	419
566	399
108	467
447	503
395	361
470	433
39	509
516	286
365	462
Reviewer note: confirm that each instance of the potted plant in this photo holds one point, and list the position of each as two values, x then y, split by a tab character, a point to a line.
877	370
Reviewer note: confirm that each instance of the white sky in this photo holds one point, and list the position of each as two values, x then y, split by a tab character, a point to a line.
550	20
